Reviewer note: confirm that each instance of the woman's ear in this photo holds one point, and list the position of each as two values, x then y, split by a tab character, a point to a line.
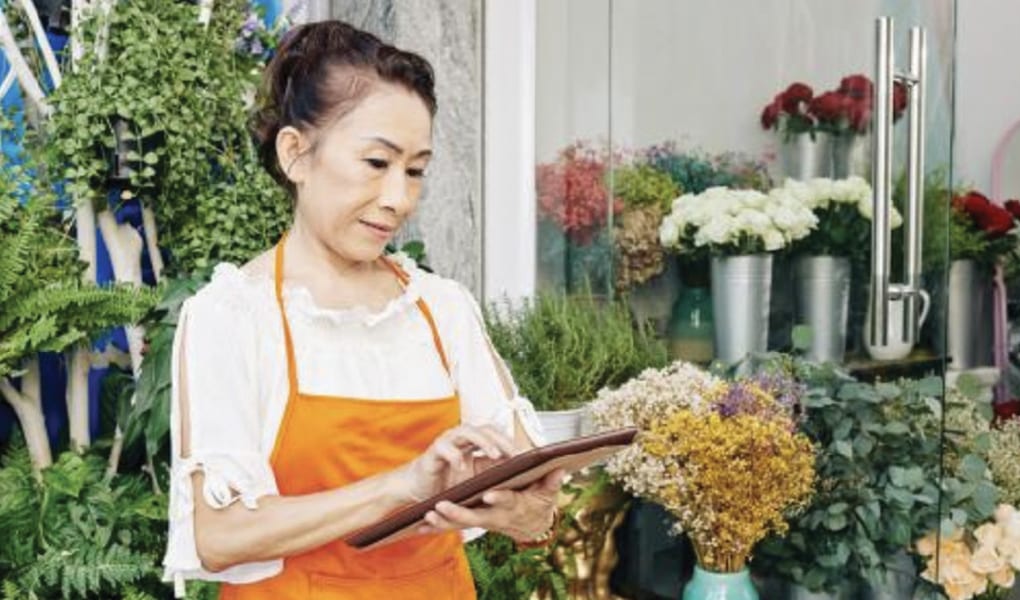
291	149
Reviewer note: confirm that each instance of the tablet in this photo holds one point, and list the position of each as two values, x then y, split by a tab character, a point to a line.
514	473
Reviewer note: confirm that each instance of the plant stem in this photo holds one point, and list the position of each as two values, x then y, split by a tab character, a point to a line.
152	242
79	362
27	405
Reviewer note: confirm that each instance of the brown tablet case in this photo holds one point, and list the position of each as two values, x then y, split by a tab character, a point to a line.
515	473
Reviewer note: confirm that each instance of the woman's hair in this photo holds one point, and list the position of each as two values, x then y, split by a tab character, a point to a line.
320	72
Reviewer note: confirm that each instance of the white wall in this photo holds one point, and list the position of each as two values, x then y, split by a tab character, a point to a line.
987	87
700	72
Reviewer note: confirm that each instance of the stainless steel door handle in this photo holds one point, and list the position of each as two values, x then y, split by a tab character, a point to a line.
881	289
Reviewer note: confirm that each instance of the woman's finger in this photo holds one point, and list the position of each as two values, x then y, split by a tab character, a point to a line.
500	440
463	517
469	438
554	481
500	498
439	522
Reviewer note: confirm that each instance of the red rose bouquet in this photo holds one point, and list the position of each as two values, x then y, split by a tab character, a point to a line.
847	109
788	112
981	230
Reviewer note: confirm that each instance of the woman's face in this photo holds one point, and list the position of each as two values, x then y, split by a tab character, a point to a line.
364	176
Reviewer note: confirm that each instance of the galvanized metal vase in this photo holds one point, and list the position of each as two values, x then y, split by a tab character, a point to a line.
969	318
740	305
822	302
804	156
851	155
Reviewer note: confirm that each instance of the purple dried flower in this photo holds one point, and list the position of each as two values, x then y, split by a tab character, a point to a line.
786	390
257	48
739	399
251	25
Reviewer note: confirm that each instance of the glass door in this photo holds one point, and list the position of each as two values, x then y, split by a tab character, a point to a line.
765	184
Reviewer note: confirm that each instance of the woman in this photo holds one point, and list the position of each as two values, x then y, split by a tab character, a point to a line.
321	386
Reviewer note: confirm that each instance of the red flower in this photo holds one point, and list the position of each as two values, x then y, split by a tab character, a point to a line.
1013	206
831	107
794	95
992	219
572	193
1007	410
860	115
857	87
770	116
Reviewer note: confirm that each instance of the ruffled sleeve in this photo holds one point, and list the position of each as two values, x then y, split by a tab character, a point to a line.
214	365
487	390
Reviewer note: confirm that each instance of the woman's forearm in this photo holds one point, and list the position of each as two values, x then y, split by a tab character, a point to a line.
287	525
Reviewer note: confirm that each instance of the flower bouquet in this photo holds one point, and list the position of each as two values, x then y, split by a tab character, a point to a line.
645	192
574	206
722	457
737	229
726	222
967	563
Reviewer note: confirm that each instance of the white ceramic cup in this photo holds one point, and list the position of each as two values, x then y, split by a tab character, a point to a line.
896	348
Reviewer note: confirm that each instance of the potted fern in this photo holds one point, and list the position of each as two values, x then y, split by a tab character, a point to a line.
562	349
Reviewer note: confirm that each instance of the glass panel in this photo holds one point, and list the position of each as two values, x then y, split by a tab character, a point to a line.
572	144
733	111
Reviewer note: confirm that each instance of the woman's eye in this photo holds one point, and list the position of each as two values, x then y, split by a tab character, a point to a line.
377	163
416	173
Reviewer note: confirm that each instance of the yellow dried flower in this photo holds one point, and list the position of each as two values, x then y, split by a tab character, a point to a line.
733	479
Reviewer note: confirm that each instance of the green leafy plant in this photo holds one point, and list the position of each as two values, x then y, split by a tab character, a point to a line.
172	91
69	534
643	185
880	484
563	349
46	307
502	572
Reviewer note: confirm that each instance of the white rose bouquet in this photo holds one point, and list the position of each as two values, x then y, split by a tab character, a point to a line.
727	222
843	212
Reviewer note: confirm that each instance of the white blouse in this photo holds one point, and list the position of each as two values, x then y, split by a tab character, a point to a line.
236	378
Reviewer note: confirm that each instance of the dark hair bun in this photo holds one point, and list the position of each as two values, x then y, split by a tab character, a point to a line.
321	71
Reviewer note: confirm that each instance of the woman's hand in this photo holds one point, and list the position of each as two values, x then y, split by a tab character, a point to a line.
456	455
522	515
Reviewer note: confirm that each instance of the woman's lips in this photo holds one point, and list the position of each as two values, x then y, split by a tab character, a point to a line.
377	229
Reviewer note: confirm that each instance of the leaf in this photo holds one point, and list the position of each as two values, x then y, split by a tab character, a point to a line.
838	508
150	158
863	445
910	478
970	386
836	522
802	337
986	496
843	448
842	431
897	428
972	467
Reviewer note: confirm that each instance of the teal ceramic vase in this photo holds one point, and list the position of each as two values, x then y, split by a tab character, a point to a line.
706	585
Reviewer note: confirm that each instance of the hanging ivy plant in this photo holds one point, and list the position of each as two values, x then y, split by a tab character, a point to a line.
165	111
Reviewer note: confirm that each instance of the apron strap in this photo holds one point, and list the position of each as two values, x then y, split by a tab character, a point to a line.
287	339
404	279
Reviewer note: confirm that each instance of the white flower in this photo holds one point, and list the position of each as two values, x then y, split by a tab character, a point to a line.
721	217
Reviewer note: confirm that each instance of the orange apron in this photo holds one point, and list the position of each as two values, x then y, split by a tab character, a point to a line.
326	442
